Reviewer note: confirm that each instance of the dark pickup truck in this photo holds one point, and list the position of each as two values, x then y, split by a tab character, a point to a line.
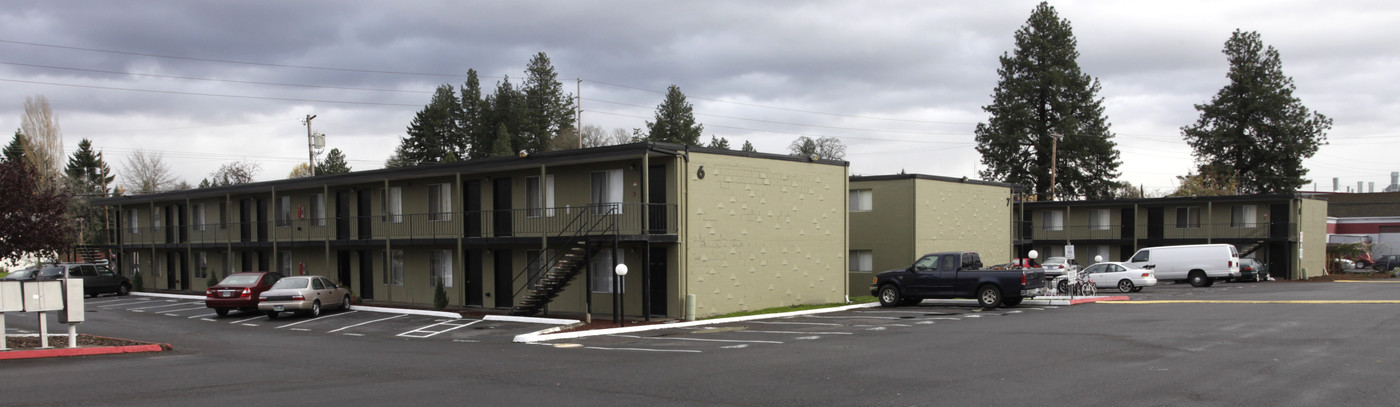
955	275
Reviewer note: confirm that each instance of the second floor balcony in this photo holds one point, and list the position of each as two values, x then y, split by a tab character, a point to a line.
1035	231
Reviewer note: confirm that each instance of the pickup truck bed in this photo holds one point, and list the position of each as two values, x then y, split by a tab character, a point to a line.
955	275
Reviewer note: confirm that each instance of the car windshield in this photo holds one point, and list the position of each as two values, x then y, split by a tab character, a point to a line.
26	273
240	280
51	271
291	283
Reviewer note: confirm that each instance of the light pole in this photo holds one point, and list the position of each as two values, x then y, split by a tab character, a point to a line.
1054	160
621	271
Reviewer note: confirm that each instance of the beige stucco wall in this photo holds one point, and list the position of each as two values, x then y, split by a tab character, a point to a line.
1312	240
963	217
763	233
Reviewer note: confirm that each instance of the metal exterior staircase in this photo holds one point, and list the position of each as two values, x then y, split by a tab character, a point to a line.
561	265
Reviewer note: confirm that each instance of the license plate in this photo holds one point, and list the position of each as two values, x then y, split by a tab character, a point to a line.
277	308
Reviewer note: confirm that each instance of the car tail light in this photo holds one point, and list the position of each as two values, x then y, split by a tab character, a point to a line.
1246	268
208	292
1023	278
298	297
246	293
1146	274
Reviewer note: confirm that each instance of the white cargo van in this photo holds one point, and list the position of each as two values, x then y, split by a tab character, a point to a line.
1200	264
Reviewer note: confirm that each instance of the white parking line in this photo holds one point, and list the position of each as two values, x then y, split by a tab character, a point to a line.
418	333
797	332
645	350
323	316
158	306
364	323
794	323
95	302
692	339
246	320
847	317
187	309
136	302
205	316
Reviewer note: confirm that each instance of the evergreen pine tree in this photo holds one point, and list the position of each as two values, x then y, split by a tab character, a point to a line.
720	143
15	150
87	171
748	147
397	159
504	109
434	130
1254	134
675	121
1042	95
477	127
502	148
333	164
547	110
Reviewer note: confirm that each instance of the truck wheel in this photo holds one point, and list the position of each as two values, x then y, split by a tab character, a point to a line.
1012	301
1125	286
889	295
989	296
1198	279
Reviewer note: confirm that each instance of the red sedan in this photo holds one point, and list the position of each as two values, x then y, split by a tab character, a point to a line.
239	290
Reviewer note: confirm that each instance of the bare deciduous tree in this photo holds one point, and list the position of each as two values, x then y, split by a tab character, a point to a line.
146	172
44	148
234	173
825	148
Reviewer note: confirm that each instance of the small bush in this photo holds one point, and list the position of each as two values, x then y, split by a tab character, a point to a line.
136	283
211	281
439	295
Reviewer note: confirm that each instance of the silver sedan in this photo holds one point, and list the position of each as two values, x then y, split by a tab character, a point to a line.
303	294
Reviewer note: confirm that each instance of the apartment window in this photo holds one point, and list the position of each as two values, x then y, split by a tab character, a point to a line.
135	262
862	260
223	215
199	218
1244	216
440	266
1098	219
286	258
133	221
439	202
1053	220
155	267
607	192
318	209
1188	217
539	199
861	200
393	273
392	211
1100	251
155	218
603	275
284	211
201	269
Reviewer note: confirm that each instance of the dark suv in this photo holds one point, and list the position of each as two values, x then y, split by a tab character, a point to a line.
97	278
1387	262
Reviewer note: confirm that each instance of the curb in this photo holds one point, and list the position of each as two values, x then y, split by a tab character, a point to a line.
530	320
549	335
64	352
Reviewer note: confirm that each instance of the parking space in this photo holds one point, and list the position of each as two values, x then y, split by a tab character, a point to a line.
355	322
793	329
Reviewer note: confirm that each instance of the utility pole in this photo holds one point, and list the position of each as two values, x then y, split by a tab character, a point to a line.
310	149
578	111
1054	161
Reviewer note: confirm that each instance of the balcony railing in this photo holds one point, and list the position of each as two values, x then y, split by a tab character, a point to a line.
626	218
1026	231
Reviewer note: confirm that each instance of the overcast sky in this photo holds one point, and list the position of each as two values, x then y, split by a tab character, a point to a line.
901	83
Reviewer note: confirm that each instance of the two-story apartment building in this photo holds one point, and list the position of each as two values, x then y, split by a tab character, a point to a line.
896	218
717	230
1286	231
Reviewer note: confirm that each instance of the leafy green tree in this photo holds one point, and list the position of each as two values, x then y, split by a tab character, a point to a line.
1254	131
333	164
434	131
825	148
748	147
547	110
720	143
15	150
675	120
1041	94
397	160
87	171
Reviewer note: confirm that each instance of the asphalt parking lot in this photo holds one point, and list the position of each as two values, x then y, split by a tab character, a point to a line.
193	315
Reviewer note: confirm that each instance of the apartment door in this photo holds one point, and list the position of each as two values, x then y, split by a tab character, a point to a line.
500	200
362	213
474	277
184	270
503	269
245	226
171	279
342	215
1278	221
471	195
343	266
260	206
1156	223
366	274
656	274
181	220
1129	221
168	215
657	221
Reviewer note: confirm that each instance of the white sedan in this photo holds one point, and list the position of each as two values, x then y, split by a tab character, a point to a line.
1114	274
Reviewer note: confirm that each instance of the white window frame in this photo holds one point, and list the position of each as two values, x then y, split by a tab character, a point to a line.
603	275
861	200
393	268
440	207
608	194
1099	219
135	262
1247	218
440	265
1052	220
155	218
392	211
284	211
318	209
539	200
133	221
862	260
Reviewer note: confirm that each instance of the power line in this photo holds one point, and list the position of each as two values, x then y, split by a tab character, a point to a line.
794	133
171	92
212	79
